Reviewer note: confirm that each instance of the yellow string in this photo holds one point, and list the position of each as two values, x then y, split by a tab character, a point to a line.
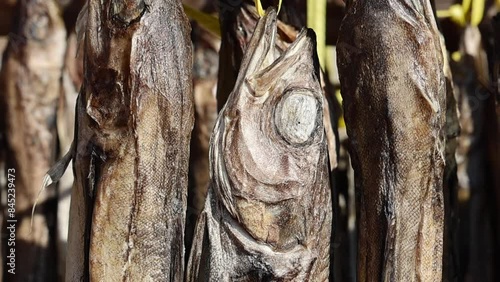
258	6
341	118
260	10
477	12
466	4
457	12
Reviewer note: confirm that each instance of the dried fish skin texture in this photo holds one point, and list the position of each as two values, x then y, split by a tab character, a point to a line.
134	122
393	86
268	213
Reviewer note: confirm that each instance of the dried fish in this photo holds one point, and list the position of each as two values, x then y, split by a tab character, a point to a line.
268	212
30	89
134	117
393	86
475	165
238	24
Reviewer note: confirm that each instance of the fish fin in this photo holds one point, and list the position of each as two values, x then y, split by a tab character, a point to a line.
418	78
195	254
53	176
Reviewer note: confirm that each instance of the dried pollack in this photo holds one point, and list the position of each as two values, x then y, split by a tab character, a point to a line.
268	212
30	89
134	117
393	85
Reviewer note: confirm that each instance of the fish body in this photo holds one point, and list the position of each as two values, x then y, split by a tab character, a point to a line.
131	151
393	86
29	94
268	211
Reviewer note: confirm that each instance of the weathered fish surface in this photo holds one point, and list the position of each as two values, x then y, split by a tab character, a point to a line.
238	24
131	148
393	85
268	212
29	91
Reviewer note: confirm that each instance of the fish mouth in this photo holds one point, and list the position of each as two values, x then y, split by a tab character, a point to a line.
262	51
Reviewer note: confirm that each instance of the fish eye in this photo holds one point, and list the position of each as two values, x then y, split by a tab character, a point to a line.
296	116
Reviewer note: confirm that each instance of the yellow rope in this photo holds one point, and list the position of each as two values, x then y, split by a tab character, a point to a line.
477	12
258	6
458	12
260	10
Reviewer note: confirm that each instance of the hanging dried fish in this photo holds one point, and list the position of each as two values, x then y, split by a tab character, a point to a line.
30	88
475	172
393	85
238	24
134	118
268	212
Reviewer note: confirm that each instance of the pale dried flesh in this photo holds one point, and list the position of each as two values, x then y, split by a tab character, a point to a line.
268	213
391	72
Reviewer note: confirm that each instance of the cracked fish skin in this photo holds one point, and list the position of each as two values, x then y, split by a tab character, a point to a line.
131	151
393	86
268	212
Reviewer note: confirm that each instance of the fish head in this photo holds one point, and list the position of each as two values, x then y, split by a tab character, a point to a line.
268	145
283	84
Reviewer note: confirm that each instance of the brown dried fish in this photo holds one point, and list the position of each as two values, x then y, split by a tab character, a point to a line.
268	212
238	24
393	85
131	146
30	88
475	161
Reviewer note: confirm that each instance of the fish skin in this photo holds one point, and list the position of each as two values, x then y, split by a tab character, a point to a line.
393	87
134	122
268	212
